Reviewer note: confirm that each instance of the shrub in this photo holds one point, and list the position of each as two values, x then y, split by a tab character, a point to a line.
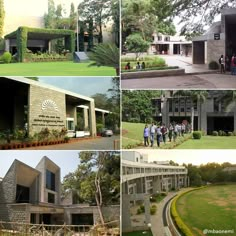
139	211
163	194
197	134
215	133
99	128
213	65
6	57
220	133
229	134
153	209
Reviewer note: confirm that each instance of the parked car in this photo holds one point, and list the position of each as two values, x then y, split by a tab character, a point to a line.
106	132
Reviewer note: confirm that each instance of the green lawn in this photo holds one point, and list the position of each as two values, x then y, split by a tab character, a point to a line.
210	142
138	233
134	134
67	68
213	207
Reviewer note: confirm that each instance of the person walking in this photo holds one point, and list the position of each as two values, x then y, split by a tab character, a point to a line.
175	131
152	133
170	134
146	135
182	129
233	65
164	133
222	64
158	131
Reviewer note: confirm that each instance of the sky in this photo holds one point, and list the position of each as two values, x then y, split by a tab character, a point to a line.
66	160
34	7
86	86
195	157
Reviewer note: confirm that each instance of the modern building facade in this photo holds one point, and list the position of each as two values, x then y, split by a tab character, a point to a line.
218	40
39	105
170	45
140	179
211	115
33	195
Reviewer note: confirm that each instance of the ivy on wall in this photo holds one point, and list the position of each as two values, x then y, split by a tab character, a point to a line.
21	35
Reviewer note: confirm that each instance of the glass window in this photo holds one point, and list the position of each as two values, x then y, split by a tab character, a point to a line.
50	180
70	124
22	194
51	198
159	38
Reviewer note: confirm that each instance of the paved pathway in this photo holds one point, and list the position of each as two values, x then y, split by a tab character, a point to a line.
156	220
201	81
104	143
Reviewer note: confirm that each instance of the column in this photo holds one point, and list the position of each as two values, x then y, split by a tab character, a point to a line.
92	120
103	118
85	116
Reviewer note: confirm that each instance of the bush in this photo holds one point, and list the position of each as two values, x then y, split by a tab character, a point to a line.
6	57
213	65
99	128
139	211
220	133
197	134
215	133
153	209
229	134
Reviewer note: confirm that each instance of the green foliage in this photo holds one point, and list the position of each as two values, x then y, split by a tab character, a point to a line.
215	133
197	134
213	65
99	128
105	54
2	17
6	57
153	209
230	134
22	37
49	19
136	44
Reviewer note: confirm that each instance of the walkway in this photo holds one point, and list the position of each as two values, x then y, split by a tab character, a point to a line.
104	143
200	81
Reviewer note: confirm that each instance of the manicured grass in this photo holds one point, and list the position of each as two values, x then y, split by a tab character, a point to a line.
67	68
138	233
210	142
209	208
134	135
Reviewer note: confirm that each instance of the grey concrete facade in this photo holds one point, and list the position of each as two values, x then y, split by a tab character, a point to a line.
210	115
14	208
141	179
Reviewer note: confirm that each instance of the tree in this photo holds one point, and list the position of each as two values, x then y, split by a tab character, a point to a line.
136	44
228	97
106	54
97	178
137	105
72	17
2	17
49	18
99	11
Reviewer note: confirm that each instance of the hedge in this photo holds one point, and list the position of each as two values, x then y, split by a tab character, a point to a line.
21	35
175	216
197	134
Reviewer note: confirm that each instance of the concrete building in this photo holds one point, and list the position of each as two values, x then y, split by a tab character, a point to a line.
170	45
140	179
33	195
211	115
39	105
218	40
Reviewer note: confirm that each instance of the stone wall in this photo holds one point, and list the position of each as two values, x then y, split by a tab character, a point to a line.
47	108
215	48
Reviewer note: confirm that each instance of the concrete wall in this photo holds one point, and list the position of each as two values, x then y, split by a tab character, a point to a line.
39	118
215	48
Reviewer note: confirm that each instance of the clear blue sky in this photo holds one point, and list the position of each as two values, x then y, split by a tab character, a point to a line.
87	86
66	160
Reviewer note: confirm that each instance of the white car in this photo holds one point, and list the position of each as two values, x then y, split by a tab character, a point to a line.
106	133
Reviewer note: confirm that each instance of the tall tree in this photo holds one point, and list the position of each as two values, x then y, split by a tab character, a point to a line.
2	17
72	17
49	18
97	178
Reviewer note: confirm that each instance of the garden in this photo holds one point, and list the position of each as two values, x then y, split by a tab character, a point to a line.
212	207
20	139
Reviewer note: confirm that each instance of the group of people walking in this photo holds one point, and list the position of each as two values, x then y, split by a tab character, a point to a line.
161	132
227	64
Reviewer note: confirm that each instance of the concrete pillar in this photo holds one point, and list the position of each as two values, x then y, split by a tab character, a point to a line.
203	116
7	45
86	119
126	221
103	118
164	111
92	120
49	46
171	49
147	210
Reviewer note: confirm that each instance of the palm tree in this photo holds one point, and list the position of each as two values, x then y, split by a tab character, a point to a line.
228	97
106	54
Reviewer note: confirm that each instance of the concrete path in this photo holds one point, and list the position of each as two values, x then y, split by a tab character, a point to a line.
156	220
201	81
104	143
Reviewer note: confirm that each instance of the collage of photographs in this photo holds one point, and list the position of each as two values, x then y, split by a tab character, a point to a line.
119	117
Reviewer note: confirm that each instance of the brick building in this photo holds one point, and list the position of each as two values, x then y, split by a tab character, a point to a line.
33	195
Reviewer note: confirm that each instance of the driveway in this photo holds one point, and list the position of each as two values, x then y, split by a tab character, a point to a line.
103	143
